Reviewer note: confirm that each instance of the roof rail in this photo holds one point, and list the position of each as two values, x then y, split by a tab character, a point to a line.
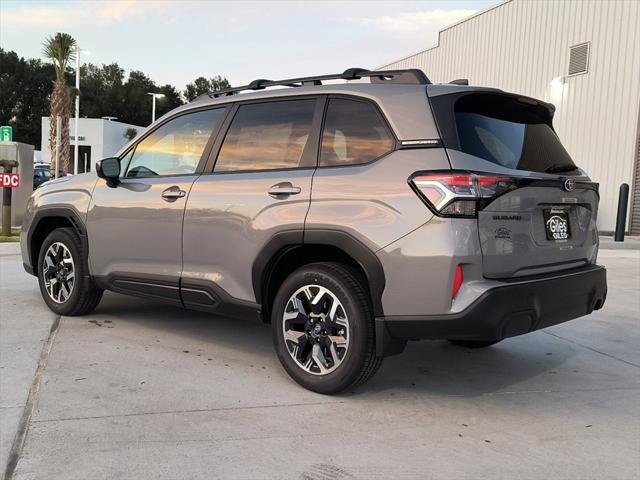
410	76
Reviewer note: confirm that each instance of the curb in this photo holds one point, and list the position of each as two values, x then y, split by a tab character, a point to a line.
10	248
630	243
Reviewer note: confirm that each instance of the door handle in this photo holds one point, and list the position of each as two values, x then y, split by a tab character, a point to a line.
171	194
283	189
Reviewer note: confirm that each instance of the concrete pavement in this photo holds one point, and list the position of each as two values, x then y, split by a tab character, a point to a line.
25	323
141	390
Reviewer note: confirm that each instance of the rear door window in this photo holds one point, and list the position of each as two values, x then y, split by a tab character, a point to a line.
506	130
354	133
267	136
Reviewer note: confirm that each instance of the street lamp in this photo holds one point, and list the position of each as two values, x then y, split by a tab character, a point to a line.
75	127
153	108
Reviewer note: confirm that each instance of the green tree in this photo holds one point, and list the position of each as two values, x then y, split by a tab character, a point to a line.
134	103
60	49
105	93
100	88
170	100
203	85
25	88
26	94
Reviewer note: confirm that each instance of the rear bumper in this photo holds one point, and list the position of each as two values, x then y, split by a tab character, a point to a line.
513	308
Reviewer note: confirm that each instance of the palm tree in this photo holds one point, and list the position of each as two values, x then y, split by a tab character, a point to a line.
60	49
130	133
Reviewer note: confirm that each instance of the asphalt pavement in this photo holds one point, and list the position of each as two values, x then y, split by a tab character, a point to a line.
140	390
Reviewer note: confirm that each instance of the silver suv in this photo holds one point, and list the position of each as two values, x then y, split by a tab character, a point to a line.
352	217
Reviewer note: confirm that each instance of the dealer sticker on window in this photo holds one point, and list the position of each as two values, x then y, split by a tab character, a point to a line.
556	222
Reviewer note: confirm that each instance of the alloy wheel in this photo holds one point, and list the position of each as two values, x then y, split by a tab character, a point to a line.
59	271
316	329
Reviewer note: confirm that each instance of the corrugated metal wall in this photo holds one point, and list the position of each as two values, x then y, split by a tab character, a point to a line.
523	45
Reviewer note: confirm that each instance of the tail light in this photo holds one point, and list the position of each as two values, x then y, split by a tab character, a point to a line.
460	194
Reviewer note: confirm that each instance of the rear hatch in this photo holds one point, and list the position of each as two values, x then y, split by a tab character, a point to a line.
542	218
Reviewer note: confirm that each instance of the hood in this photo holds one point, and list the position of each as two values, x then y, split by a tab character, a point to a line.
83	181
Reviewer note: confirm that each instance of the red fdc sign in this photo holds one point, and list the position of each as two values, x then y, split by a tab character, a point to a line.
9	180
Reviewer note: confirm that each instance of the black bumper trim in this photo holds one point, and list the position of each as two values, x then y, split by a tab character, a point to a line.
514	308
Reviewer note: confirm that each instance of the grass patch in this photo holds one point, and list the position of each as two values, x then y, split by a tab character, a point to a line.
15	236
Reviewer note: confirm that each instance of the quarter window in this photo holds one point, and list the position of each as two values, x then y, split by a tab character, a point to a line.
174	148
354	133
267	136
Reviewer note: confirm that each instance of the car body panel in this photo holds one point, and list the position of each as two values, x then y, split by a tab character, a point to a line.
373	202
132	230
71	194
420	266
229	219
513	238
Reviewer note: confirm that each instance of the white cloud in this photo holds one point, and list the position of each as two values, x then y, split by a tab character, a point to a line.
77	14
417	21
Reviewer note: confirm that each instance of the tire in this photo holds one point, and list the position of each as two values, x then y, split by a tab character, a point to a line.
345	340
63	247
474	343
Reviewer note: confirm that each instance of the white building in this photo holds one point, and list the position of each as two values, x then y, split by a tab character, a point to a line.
97	139
581	55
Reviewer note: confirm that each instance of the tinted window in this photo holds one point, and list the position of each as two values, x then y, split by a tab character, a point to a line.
510	133
41	172
353	133
175	147
265	136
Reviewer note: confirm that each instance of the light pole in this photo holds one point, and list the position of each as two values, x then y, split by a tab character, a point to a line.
153	108
75	126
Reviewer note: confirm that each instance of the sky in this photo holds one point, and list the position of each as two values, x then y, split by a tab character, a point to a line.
176	41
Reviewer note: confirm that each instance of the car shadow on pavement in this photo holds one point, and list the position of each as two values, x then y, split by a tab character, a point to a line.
425	368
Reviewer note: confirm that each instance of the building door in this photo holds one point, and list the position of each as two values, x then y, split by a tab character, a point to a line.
84	154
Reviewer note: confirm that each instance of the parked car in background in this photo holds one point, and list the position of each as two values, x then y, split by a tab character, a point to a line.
352	217
41	174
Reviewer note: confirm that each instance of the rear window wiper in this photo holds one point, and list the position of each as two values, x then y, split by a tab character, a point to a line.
557	168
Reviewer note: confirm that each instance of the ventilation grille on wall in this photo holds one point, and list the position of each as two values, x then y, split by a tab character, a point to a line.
579	59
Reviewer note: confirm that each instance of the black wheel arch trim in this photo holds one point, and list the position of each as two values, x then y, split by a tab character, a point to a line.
265	261
69	213
282	242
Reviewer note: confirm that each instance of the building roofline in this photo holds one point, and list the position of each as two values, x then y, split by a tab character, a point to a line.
448	27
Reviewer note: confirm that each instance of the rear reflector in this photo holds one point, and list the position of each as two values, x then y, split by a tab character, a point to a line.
457	194
457	282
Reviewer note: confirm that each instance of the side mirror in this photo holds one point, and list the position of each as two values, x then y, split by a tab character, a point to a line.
109	169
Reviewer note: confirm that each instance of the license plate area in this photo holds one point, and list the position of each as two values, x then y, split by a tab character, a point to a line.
556	224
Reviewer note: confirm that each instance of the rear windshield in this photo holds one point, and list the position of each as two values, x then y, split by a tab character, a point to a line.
509	131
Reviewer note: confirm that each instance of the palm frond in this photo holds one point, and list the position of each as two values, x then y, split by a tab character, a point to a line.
60	49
